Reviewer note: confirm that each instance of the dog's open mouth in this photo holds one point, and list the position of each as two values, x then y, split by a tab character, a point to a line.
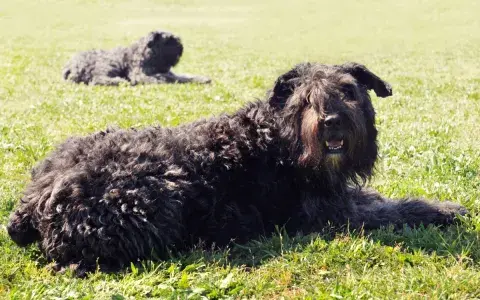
334	146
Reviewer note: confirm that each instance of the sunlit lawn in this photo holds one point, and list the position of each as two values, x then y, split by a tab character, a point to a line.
429	135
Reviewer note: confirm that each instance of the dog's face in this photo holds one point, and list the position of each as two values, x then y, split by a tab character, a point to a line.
162	51
328	116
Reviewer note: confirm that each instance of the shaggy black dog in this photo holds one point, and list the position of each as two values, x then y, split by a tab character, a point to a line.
148	60
298	159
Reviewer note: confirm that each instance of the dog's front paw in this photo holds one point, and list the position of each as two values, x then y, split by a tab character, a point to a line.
451	210
202	79
455	208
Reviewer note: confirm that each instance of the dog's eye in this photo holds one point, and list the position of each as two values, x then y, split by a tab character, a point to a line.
348	94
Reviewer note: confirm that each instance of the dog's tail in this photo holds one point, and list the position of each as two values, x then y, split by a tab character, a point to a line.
21	228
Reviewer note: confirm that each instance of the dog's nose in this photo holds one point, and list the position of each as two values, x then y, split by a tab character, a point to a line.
333	120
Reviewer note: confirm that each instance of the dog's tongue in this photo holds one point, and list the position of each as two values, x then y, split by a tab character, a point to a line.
334	143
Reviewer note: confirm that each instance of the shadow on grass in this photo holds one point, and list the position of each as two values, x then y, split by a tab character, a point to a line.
460	242
457	241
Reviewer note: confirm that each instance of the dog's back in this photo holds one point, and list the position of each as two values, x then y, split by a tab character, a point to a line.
84	66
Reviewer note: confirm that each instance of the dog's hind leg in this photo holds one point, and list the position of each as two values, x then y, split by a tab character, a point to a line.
116	225
374	211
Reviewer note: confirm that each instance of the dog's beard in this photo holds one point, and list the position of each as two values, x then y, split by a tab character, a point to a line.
334	152
334	160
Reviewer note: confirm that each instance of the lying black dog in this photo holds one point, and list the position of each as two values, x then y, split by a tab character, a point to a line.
298	159
148	60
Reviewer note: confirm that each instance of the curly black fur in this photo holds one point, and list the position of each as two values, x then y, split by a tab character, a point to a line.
298	159
148	60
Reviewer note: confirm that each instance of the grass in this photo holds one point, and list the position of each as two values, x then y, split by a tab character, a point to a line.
430	137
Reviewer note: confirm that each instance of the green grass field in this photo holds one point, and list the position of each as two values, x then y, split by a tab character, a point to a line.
429	135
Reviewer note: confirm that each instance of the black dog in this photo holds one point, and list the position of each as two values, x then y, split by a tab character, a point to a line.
146	61
298	159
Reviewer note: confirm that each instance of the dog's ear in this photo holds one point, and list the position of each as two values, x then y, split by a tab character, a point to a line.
284	86
153	38
368	79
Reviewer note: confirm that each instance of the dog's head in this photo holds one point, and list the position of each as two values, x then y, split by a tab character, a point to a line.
161	51
328	116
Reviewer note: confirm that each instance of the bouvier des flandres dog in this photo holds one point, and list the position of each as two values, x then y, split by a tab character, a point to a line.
146	61
299	159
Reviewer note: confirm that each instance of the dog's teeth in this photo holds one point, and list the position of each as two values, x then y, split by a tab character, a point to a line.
338	146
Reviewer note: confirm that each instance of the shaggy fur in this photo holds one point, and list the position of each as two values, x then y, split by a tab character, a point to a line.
148	60
298	159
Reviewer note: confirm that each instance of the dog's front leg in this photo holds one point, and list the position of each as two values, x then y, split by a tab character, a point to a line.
374	211
168	77
185	78
142	78
106	80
